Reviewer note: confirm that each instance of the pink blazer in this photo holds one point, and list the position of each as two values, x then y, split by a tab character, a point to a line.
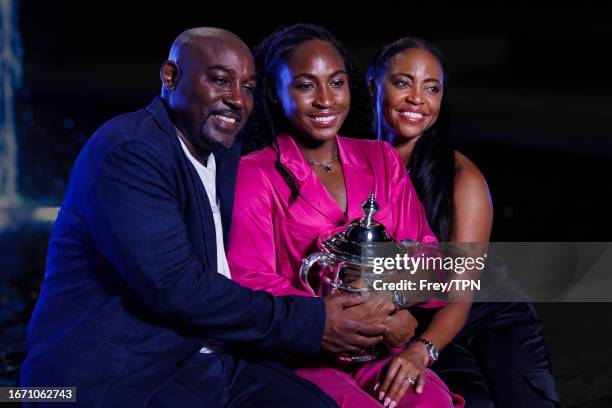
269	236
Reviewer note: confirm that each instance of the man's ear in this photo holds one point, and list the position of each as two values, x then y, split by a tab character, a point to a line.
170	74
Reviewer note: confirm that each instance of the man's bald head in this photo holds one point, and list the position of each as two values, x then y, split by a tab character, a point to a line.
190	40
208	82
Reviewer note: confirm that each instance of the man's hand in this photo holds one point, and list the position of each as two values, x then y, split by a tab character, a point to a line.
373	310
400	328
342	333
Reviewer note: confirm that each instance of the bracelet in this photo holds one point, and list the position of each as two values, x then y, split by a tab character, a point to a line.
432	351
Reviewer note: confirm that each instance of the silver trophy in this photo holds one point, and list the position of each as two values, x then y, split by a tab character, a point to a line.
346	262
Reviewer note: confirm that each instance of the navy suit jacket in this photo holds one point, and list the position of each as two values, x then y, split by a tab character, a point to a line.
131	288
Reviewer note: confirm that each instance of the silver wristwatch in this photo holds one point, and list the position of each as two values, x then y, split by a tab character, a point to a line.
399	300
432	350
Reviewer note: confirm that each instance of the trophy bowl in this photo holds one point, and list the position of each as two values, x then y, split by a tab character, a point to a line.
345	262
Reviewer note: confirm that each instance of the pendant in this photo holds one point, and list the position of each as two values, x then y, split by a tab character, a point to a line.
327	168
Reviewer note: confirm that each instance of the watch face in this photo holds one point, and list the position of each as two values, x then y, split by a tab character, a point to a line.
399	298
434	352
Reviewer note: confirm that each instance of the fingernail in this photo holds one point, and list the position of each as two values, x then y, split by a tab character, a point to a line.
381	395
393	404
387	401
376	386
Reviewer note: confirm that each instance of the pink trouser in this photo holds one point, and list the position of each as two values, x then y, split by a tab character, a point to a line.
353	385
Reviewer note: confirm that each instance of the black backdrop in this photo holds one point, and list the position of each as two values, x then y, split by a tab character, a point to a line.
529	91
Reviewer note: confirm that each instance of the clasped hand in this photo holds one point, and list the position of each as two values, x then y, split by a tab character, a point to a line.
355	322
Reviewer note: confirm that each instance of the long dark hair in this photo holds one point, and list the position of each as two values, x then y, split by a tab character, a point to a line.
432	163
267	119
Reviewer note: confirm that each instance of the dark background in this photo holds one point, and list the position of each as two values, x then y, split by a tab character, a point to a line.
530	97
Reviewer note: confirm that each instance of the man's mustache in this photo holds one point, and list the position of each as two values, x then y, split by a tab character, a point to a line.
228	113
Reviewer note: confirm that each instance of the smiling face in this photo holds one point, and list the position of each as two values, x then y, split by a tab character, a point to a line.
211	95
313	91
409	94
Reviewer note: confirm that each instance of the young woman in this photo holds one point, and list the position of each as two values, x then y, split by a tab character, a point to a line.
500	358
308	180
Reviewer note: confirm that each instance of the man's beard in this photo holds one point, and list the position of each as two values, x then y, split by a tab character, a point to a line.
207	142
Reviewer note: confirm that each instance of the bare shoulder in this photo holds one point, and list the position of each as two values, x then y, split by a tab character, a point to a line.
469	180
463	163
473	207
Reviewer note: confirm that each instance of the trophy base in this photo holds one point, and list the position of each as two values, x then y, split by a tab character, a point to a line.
367	355
356	359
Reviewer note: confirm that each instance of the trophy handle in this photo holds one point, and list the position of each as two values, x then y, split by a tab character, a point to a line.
307	263
410	246
406	243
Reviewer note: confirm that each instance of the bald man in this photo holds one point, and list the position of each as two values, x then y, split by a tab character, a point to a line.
136	307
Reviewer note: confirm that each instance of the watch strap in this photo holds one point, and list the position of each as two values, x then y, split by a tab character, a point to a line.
432	350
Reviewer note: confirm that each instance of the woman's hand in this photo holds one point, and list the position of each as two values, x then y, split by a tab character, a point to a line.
405	370
400	328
